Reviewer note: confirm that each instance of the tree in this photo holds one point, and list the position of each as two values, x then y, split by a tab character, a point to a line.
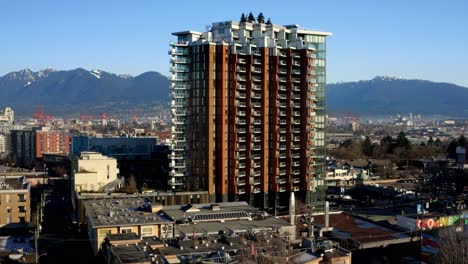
430	142
462	142
251	17
260	18
452	149
268	22
386	144
402	141
438	142
243	18
453	245
367	147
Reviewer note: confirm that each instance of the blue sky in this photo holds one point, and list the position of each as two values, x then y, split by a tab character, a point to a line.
412	39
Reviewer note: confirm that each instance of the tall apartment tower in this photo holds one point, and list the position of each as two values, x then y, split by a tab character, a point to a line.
248	106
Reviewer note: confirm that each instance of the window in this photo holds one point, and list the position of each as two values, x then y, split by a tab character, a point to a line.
8	210
103	232
22	220
8	198
146	231
22	209
21	198
125	230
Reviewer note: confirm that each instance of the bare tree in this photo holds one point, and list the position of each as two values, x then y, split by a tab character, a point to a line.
453	245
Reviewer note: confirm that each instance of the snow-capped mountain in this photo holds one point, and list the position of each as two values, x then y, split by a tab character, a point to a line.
49	86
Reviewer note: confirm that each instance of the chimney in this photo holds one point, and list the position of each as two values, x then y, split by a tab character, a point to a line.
292	209
327	217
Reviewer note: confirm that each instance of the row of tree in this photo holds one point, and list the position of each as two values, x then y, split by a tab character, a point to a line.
393	148
251	18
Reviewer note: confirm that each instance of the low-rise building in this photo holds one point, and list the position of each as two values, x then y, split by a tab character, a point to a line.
124	215
94	172
14	201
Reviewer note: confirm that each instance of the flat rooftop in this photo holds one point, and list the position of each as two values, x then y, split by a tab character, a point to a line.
207	212
347	226
121	212
12	184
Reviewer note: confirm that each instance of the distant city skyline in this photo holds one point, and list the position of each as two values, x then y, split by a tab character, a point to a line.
411	39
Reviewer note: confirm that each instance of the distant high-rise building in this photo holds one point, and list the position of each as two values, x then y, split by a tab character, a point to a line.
7	118
248	106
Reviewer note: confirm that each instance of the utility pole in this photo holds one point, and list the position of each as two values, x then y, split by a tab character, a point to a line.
36	232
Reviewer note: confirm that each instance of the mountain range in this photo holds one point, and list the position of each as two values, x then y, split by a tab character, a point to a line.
79	88
385	95
51	87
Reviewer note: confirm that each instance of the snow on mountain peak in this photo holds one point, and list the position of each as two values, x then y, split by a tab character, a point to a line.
388	78
96	73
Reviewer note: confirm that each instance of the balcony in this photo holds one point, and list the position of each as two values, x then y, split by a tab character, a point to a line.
257	61
282	62
296	164
296	105
282	96
296	147
282	130
242	174
241	131
296	80
257	190
311	80
257	88
257	139
257	130
241	147
240	113
282	172
241	78
256	95
241	69
257	165
282	88
296	63
282	71
296	113
282	105
241	87
311	72
312	56
282	79
256	147
241	61
256	79
241	122
241	157
257	104
240	183
282	122
241	165
179	60
296	72
241	139
256	156
282	147
296	156
256	70
296	172
296	96
241	95
296	55
257	122
282	139
241	104
282	164
282	113
297	88
282	54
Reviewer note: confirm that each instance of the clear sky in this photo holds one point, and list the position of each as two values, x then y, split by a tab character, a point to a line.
421	39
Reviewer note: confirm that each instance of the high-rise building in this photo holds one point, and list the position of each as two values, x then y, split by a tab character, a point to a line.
248	105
